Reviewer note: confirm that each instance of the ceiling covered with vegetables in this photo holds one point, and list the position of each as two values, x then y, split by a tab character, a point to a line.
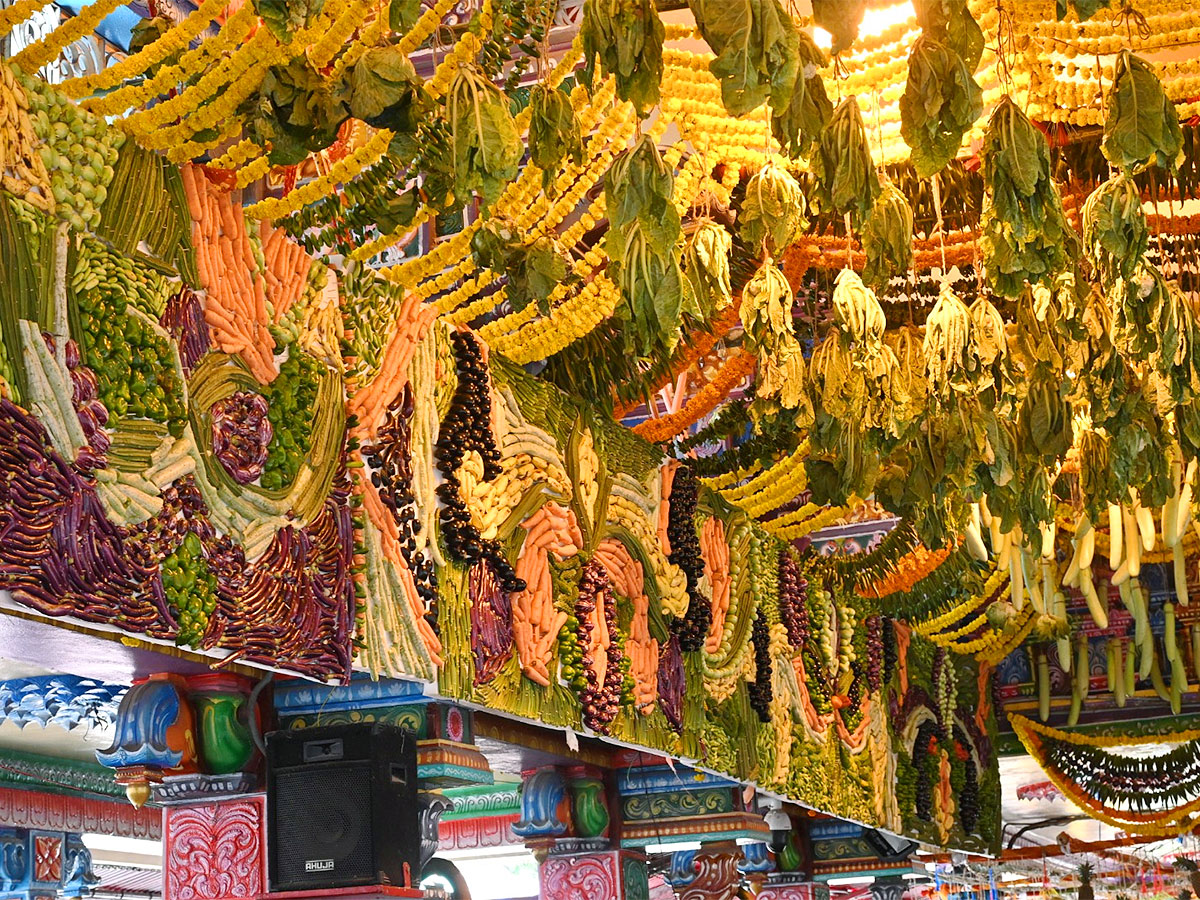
531	350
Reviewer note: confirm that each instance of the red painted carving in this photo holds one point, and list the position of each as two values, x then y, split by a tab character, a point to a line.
592	877
473	834
47	859
716	878
60	812
216	851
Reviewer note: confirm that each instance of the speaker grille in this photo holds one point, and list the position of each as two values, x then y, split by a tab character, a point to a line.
323	825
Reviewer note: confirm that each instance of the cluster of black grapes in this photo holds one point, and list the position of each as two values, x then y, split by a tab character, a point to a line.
685	553
793	599
924	800
760	687
467	427
968	799
875	653
391	461
600	701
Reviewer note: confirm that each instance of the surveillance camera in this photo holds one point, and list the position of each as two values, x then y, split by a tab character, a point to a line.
780	824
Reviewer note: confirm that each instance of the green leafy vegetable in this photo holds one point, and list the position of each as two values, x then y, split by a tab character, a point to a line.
532	269
1115	232
1024	234
950	22
706	287
485	144
626	37
295	111
846	181
1141	125
887	238
940	103
756	46
642	245
797	123
387	92
403	14
284	17
554	133
841	18
766	315
772	210
1083	9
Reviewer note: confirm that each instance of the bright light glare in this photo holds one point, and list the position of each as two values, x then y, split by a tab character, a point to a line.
856	879
875	22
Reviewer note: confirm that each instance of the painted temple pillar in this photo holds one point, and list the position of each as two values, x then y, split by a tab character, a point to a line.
43	865
190	745
565	819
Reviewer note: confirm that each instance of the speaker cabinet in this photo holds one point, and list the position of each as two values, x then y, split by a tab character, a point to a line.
342	807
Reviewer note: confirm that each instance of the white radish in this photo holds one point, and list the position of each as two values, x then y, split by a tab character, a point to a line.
1017	577
1114	536
1095	607
1087	545
1145	524
1180	571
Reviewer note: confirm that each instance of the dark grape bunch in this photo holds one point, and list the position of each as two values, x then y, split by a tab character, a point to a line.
968	798
760	688
600	701
875	653
926	735
891	652
793	599
391	461
685	553
467	427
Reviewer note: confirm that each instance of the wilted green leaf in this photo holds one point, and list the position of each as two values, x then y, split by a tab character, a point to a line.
626	38
846	180
1141	126
756	46
940	103
797	123
887	238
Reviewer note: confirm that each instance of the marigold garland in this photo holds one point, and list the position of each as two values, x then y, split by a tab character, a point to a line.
48	48
176	39
341	172
735	369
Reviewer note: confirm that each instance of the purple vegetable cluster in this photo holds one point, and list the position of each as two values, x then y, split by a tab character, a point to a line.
241	435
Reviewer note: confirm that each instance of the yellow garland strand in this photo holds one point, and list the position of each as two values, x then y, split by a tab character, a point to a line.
341	172
190	64
334	39
951	616
254	171
376	246
18	13
173	41
816	523
41	52
238	155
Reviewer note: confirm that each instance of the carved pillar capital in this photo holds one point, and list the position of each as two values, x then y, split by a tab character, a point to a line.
716	874
36	863
609	875
215	850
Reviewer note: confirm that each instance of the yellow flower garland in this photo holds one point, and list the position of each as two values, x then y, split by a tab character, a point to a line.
47	49
173	41
341	172
190	64
18	13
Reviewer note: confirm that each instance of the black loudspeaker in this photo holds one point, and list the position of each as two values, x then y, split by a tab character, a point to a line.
342	807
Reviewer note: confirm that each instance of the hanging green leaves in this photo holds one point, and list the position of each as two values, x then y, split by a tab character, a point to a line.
626	38
950	22
554	133
707	288
1115	232
797	122
1083	9
485	144
887	238
295	111
940	103
846	181
841	18
284	17
641	243
387	92
773	209
756	46
532	270
1024	234
766	315
1141	125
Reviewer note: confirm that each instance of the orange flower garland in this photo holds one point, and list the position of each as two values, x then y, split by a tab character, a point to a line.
737	367
909	569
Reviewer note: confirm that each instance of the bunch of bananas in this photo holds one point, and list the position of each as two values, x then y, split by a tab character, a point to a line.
22	171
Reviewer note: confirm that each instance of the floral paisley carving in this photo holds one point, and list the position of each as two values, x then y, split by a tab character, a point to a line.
215	851
580	878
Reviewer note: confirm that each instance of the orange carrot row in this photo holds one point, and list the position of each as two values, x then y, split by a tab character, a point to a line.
287	267
536	621
235	305
370	402
715	553
628	579
667	473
